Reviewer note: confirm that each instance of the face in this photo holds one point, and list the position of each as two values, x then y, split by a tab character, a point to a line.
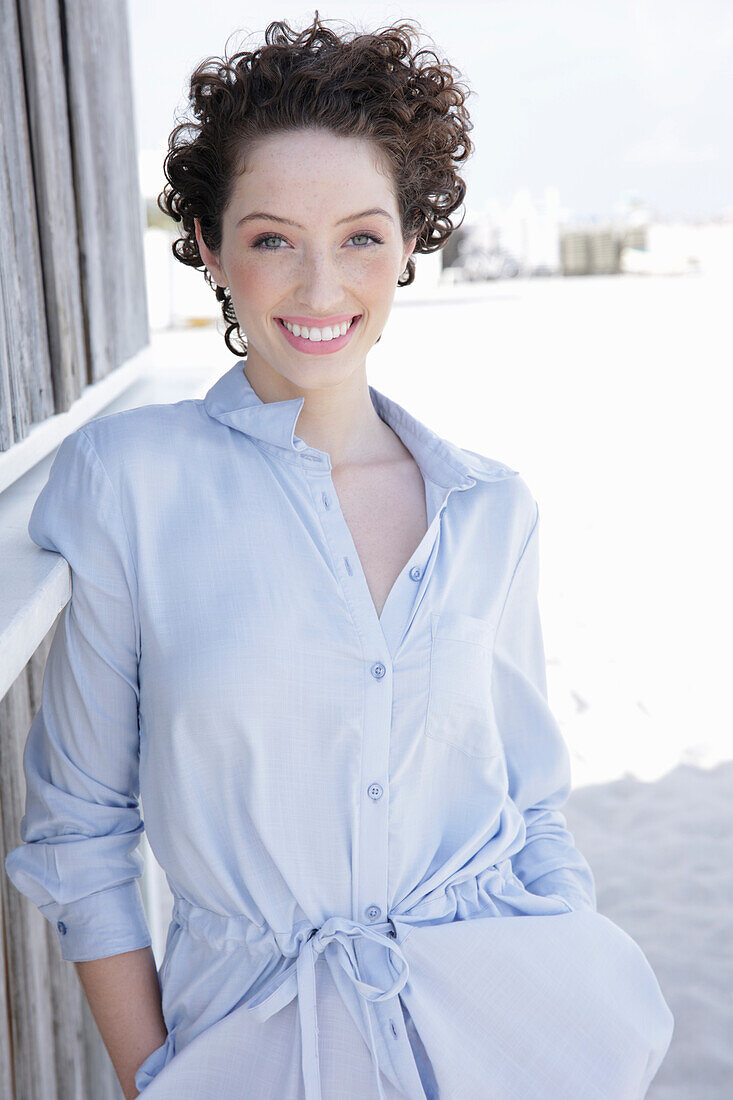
311	238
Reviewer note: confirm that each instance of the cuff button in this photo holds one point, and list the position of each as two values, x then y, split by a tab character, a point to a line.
61	927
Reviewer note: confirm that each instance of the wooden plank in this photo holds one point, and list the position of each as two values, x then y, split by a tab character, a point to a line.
31	1008
109	207
26	390
6	1046
7	434
45	81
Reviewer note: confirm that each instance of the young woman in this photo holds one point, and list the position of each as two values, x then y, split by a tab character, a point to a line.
304	629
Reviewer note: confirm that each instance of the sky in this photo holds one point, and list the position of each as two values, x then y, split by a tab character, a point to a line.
609	101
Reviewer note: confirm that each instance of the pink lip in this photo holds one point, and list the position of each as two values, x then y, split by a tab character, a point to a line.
318	322
319	347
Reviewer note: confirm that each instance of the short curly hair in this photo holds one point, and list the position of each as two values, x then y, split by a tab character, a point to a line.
375	85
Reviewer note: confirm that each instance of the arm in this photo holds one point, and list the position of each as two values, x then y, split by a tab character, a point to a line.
79	862
124	997
538	761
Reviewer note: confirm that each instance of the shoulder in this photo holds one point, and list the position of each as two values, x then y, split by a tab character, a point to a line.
503	481
147	429
485	468
100	469
133	443
502	503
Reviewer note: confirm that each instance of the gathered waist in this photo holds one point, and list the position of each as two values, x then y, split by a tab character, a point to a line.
293	971
493	891
222	929
458	898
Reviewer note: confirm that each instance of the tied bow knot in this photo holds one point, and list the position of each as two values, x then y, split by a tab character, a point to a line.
299	979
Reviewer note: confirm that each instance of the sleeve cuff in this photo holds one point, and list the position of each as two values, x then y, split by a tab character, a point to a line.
106	923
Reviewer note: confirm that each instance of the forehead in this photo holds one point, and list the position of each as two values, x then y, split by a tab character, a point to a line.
313	168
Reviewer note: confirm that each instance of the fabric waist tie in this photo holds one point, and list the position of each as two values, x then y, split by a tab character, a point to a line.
299	979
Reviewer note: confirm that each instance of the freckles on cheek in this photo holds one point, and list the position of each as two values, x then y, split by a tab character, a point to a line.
248	275
376	278
253	286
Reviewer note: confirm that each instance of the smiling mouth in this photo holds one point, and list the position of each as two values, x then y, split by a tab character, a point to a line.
303	329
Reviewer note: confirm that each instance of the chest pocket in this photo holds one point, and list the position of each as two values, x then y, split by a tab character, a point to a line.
460	709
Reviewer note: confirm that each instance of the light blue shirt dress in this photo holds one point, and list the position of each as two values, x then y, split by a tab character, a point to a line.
359	815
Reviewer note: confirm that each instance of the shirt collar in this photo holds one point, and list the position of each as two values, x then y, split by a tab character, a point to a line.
232	401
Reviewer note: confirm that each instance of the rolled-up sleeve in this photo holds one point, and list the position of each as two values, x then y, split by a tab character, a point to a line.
82	826
538	760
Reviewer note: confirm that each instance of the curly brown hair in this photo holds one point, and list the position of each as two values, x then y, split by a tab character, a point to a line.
374	85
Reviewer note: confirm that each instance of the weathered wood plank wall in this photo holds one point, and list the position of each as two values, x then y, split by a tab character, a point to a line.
30	965
73	307
54	186
72	274
109	208
25	388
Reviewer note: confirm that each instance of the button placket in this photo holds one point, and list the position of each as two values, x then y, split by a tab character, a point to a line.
381	637
373	854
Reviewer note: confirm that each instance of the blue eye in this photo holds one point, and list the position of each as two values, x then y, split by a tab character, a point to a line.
369	236
267	237
260	242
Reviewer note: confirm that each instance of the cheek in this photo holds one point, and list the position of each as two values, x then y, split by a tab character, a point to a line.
254	284
375	276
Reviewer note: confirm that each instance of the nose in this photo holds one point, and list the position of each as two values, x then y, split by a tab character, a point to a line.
321	289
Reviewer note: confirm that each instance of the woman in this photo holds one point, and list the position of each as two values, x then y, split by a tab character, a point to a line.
325	649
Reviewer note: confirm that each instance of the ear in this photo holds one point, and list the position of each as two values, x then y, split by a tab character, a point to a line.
209	258
409	249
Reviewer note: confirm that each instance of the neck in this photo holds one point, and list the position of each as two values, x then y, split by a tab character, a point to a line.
338	419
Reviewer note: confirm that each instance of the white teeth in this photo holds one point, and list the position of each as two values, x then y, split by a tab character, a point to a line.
317	335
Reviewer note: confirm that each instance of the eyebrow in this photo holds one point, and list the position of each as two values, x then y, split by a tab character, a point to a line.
284	221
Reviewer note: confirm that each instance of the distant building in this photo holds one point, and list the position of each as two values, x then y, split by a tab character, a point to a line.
592	251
